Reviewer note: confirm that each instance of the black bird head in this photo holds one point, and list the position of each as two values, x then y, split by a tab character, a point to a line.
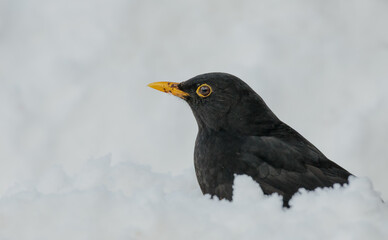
222	102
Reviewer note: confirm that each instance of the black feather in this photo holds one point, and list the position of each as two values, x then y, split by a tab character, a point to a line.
239	134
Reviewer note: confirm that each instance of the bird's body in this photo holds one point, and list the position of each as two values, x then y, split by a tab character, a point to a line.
278	166
239	134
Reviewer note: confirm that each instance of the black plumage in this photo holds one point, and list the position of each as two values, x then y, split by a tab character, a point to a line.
239	134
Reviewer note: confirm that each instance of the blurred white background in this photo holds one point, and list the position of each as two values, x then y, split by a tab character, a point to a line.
73	78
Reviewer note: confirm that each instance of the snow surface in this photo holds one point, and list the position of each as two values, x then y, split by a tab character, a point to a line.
129	201
73	78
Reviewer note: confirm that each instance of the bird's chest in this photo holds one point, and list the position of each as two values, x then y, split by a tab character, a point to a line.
214	160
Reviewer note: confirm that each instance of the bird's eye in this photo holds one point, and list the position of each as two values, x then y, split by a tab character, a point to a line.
204	90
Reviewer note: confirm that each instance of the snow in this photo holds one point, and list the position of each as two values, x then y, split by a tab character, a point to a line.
87	151
130	201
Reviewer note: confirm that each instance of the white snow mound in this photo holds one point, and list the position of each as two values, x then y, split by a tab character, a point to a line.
129	201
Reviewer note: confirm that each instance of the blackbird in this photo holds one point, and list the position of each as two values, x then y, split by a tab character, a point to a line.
238	134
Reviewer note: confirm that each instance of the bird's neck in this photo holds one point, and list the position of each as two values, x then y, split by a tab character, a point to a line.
247	116
252	118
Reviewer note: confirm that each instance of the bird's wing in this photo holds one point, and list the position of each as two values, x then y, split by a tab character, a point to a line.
284	168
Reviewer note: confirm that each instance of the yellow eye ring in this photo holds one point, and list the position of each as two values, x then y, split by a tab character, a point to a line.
204	90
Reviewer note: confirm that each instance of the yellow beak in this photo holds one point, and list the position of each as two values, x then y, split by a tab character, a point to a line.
169	87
